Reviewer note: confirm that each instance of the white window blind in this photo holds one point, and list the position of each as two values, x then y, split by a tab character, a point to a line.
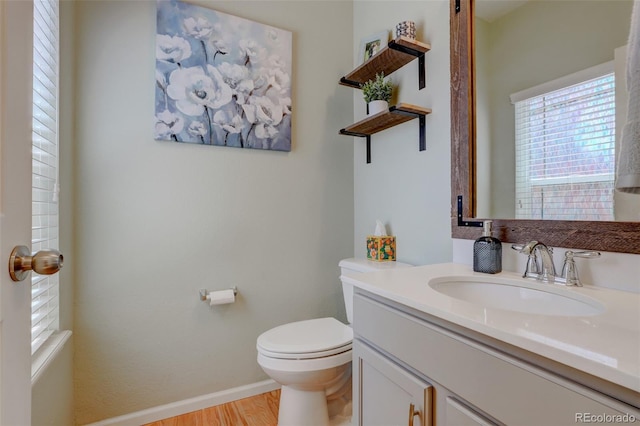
44	288
565	150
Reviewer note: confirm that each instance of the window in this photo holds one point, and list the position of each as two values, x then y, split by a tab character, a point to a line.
565	147
44	288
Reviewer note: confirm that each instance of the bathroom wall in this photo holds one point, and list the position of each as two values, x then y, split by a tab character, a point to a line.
156	221
52	399
407	189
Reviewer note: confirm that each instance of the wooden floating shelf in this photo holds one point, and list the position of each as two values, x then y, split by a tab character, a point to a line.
397	114
390	58
373	124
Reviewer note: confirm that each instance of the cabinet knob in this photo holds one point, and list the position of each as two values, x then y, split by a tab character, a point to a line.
412	413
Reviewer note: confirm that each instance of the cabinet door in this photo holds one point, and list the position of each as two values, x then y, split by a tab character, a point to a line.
458	414
387	394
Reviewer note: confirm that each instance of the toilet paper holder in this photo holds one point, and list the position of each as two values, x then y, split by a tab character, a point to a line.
204	292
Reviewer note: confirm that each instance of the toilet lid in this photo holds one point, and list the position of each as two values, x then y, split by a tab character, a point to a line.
306	339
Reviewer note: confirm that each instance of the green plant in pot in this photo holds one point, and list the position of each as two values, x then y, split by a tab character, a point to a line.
377	94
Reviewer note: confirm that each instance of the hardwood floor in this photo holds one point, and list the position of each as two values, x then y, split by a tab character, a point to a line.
259	410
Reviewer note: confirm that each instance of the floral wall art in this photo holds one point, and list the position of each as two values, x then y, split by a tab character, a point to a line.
221	80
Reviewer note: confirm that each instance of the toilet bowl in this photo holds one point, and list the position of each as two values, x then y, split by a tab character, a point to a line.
311	360
314	367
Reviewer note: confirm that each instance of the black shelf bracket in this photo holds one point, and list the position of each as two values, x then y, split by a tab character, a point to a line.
360	135
420	55
422	138
351	83
422	82
462	222
348	133
422	141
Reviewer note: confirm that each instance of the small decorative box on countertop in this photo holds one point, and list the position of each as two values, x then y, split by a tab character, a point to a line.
381	248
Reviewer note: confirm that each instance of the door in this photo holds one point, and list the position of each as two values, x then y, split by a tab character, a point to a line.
16	60
386	393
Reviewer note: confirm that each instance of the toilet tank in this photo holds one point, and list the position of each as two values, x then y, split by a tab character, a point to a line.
357	266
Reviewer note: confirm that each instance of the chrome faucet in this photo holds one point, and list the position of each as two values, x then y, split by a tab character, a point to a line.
570	269
545	270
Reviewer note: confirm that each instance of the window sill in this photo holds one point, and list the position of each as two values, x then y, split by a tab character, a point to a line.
45	355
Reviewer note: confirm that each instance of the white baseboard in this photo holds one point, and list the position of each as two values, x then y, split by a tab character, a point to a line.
188	405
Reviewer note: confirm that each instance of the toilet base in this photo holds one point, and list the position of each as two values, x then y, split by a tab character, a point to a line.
297	408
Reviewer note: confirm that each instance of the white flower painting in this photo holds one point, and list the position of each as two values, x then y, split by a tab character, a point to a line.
221	80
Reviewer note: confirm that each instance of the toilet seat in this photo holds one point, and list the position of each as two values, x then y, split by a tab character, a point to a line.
310	339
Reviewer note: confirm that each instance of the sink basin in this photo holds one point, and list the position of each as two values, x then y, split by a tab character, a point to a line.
518	295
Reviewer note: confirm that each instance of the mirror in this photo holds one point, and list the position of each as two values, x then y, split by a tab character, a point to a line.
606	236
513	56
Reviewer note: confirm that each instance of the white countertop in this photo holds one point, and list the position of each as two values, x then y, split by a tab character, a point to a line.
606	345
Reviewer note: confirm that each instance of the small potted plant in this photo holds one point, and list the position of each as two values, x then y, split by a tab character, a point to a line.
377	94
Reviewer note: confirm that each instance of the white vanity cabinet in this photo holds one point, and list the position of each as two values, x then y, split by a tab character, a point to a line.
404	358
458	414
392	394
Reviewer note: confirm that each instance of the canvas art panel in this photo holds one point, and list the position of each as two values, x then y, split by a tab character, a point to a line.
221	79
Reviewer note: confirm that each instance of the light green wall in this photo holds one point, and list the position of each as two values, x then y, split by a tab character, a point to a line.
156	221
52	396
536	43
149	223
407	189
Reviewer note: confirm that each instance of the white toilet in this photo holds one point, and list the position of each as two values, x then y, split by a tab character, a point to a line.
312	359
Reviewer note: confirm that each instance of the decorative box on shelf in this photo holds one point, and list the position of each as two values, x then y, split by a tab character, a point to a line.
381	248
